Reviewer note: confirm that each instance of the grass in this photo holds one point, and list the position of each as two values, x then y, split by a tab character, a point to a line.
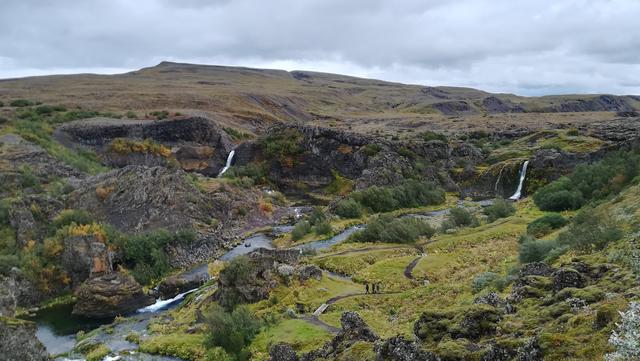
300	334
183	345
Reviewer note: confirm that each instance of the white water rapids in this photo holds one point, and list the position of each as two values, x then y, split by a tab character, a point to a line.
523	174
160	304
229	160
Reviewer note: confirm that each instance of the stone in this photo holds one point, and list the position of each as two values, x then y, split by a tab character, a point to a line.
536	269
307	272
16	290
400	349
84	257
567	277
18	341
174	285
282	352
285	270
109	296
355	329
493	299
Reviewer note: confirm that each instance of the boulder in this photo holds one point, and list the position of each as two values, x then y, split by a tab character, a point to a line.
494	300
257	279
567	277
85	257
355	329
536	269
400	349
308	272
477	321
174	285
282	352
109	296
18	341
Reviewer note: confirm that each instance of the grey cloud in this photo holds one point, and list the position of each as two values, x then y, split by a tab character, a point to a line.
527	47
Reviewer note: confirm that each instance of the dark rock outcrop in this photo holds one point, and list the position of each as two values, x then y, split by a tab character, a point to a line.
85	257
567	277
454	107
16	290
400	349
308	272
18	341
109	296
353	329
282	352
494	300
196	143
536	269
494	104
174	285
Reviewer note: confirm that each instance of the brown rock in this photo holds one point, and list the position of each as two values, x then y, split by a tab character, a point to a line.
109	296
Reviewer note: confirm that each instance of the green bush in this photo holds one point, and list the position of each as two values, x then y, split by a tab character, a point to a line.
131	114
484	280
145	253
19	103
590	231
535	250
232	331
429	136
238	272
300	230
160	114
282	144
499	209
348	208
256	172
68	216
409	194
387	229
590	182
323	228
460	217
371	149
545	224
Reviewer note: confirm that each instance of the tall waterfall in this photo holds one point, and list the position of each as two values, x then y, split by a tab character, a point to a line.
523	174
229	160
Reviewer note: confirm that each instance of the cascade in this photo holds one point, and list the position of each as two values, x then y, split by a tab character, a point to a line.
523	174
229	160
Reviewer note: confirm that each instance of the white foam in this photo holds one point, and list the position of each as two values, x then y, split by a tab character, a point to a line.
229	160
160	303
523	174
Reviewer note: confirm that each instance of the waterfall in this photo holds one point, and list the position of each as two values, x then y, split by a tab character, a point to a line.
161	304
495	188
229	160
523	174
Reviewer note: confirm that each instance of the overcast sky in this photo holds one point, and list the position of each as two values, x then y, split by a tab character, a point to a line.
528	47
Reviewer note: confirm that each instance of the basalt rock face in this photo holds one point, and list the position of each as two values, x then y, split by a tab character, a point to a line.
597	104
18	341
353	329
16	290
138	199
85	257
31	216
109	296
364	159
18	155
400	349
196	143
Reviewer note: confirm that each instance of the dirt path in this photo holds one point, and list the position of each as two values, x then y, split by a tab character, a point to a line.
409	269
361	250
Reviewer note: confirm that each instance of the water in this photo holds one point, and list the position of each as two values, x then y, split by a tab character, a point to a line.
326	243
229	160
161	304
523	174
252	243
57	327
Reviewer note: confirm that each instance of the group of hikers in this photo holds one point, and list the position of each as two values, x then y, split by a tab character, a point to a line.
372	288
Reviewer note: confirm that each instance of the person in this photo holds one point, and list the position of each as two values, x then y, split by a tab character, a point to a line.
366	288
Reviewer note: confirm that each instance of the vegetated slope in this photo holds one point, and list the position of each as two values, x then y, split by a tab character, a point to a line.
253	98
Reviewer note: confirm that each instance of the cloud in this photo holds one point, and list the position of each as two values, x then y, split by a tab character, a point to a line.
526	47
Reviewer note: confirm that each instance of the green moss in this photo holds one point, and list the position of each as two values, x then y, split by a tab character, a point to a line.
182	345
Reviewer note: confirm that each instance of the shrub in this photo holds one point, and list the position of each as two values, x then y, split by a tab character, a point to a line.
371	149
590	230
410	193
339	185
232	331
499	209
7	262
255	172
387	229
624	338
429	136
545	224
131	114
19	103
27	178
69	216
145	253
300	230
483	280
460	217
1	104
590	182
535	250
348	208
317	216
282	144
160	114
323	228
